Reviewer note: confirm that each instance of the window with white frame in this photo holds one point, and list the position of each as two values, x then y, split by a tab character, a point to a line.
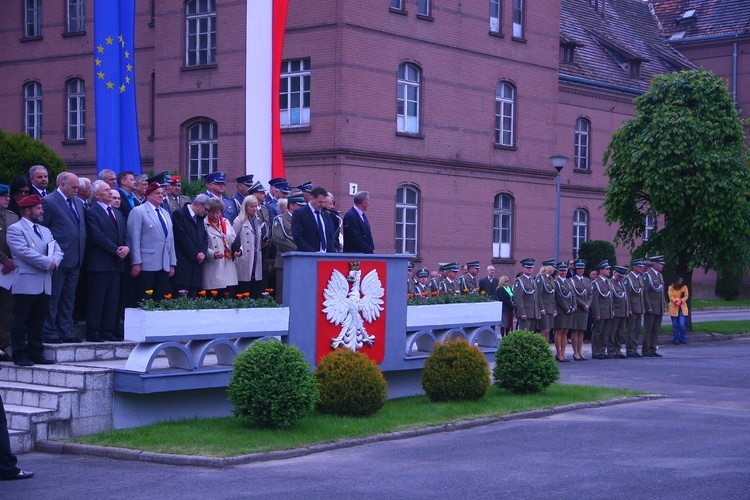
32	18
76	96
505	98
203	149
580	229
201	32
76	16
397	4
581	159
495	16
407	106
32	95
650	227
407	220
518	18
294	93
424	7
502	225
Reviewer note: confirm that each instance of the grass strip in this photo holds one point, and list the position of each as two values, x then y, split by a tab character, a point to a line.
699	304
720	327
227	437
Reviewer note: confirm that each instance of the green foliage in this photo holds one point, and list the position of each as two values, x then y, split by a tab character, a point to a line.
524	363
729	282
350	384
437	298
183	302
19	152
682	160
455	371
272	385
593	252
193	188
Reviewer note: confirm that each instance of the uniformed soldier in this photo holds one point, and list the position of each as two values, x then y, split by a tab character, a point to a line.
634	286
653	303
450	285
175	199
437	280
582	291
565	306
410	279
601	310
545	290
306	188
423	288
469	282
244	183
620	309
282	237
216	184
526	298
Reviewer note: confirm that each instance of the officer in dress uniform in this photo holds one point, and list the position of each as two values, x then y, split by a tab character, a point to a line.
410	279
437	280
601	310
306	188
653	303
565	306
283	239
216	183
545	290
526	298
422	288
469	282
451	285
582	291
244	183
621	310
634	286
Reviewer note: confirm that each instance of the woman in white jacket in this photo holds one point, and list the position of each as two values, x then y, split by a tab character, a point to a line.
219	272
249	261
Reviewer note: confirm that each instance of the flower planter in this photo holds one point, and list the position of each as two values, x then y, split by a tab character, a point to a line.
443	316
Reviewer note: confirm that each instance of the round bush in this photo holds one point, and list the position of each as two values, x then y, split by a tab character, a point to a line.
272	385
455	371
350	384
524	363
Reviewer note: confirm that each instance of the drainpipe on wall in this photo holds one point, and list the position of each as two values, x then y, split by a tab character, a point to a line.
734	74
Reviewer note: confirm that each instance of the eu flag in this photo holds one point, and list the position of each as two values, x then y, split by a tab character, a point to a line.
117	146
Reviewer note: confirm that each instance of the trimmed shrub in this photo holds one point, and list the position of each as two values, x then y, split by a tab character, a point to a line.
455	371
593	252
728	282
272	385
350	384
524	363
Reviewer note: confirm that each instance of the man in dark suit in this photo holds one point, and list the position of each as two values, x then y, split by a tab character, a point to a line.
31	245
488	284
191	246
126	183
311	229
357	234
39	179
105	263
63	216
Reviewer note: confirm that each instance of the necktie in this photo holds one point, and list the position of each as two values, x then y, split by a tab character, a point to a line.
112	217
364	218
36	230
131	200
254	224
163	224
321	232
73	211
43	193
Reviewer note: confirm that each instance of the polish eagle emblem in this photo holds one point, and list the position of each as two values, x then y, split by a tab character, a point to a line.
350	302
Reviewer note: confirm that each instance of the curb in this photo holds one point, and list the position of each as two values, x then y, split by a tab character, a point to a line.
62	448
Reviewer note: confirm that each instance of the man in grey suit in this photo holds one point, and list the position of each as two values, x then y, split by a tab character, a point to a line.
36	254
151	241
64	218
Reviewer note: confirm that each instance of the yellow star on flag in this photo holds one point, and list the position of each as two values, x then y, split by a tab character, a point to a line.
127	54
130	67
100	49
120	39
110	85
127	79
100	75
109	40
122	88
98	61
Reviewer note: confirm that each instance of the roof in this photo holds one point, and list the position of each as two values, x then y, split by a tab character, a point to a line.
615	34
685	20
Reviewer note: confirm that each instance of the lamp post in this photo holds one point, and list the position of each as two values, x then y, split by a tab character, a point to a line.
558	161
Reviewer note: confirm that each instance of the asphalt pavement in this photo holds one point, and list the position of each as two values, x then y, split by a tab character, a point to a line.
693	444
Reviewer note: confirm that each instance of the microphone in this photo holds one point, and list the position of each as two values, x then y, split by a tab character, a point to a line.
332	210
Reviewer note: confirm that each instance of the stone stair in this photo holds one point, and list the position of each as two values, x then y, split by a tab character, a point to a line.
62	400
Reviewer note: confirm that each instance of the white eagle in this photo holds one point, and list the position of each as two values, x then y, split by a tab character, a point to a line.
342	306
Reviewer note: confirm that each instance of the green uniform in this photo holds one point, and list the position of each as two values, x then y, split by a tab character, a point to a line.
282	237
527	303
601	308
634	286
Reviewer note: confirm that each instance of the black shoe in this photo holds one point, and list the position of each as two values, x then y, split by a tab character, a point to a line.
621	356
600	356
634	355
23	362
43	361
22	474
107	339
117	339
649	355
52	340
657	355
580	359
71	340
94	339
6	357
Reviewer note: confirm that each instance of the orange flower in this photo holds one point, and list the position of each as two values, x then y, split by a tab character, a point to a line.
214	293
168	296
246	295
434	294
425	293
269	290
202	293
482	293
410	295
238	295
226	294
466	290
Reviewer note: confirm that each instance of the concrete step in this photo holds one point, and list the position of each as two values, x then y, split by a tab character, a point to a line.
20	441
24	418
88	351
58	399
59	375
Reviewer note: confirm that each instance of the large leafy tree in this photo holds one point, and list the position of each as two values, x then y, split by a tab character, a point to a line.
19	152
682	159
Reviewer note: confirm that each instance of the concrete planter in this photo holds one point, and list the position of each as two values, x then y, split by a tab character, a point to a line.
453	315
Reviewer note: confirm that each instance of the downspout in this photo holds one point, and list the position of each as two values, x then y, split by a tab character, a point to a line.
734	73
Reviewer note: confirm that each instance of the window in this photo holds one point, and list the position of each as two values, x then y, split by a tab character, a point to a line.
203	147
424	8
407	106
505	96
201	32
397	4
583	126
76	93
518	18
32	95
407	203
75	16
294	93
32	18
650	223
580	229
495	16
502	224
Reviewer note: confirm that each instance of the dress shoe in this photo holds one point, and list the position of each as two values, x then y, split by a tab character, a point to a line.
565	360
6	357
634	355
71	340
657	355
580	359
43	361
649	355
52	340
621	356
600	356
23	362
22	474
94	339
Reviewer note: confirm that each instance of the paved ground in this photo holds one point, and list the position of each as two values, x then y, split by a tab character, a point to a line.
695	444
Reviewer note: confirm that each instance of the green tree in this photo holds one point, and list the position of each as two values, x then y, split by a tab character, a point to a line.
19	152
682	160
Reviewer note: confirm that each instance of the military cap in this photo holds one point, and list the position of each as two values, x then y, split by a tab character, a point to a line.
277	180
176	178
562	266
305	187
30	201
636	262
4	189
622	271
162	178
657	259
423	273
257	187
284	187
298	199
474	263
602	265
247	180
550	262
410	265
219	177
528	262
453	266
580	264
442	266
152	186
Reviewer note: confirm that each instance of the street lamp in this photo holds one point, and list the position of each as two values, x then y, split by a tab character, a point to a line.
558	161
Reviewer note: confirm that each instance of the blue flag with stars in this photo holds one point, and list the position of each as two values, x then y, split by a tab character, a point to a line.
117	145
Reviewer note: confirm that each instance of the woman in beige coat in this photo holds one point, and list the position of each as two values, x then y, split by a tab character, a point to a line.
249	261
678	309
219	273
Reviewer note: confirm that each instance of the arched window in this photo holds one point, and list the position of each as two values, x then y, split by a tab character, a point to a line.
201	32
580	229
76	97
203	149
502	225
32	95
407	103
505	99
582	150
407	220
